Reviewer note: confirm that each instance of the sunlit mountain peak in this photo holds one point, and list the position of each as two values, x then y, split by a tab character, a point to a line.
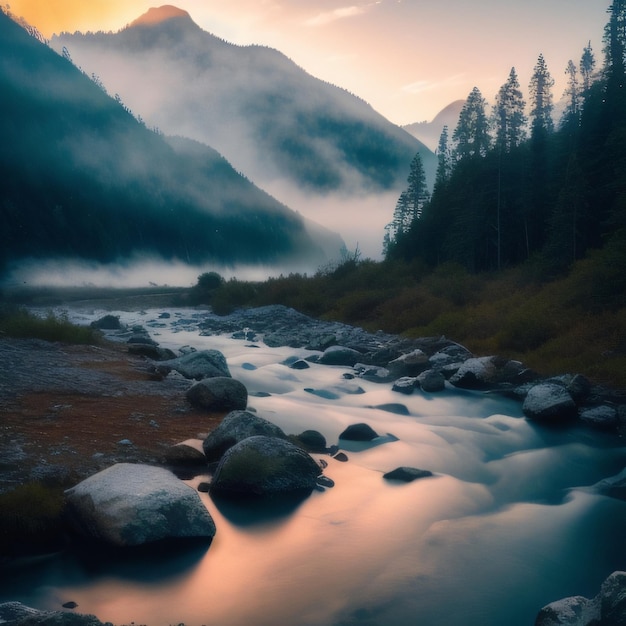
157	15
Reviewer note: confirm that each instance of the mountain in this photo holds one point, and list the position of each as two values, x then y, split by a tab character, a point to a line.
430	132
260	110
80	177
305	141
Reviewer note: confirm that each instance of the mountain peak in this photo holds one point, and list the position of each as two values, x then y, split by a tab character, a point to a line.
158	15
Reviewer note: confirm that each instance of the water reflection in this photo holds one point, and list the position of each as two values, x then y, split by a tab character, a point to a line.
506	525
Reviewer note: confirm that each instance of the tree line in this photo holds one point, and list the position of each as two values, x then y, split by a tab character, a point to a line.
512	186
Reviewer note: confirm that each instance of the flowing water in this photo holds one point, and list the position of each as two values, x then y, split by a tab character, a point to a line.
507	524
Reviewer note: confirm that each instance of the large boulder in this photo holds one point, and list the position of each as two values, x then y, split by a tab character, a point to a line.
197	365
608	608
340	355
218	394
130	505
549	402
235	427
265	466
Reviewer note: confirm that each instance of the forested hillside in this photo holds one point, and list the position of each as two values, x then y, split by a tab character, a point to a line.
80	177
520	250
508	191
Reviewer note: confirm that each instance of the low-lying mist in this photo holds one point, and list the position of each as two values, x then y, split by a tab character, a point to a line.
136	273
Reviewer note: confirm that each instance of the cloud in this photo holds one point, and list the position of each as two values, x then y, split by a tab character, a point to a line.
331	16
421	86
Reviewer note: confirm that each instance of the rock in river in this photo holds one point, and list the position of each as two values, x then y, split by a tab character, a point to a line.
235	427
549	402
130	505
218	394
265	466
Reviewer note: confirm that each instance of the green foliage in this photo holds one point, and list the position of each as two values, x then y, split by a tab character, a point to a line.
31	519
20	323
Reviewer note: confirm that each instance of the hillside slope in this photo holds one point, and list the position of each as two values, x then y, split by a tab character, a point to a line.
270	118
80	177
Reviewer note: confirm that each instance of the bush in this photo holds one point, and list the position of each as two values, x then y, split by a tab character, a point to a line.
31	520
20	323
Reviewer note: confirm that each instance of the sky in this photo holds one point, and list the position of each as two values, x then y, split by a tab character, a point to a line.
407	58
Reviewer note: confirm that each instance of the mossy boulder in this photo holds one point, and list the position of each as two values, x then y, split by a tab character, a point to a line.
265	466
235	427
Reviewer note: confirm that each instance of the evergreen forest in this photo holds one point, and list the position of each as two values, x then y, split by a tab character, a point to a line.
520	249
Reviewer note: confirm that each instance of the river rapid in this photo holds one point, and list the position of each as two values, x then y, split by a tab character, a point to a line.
508	523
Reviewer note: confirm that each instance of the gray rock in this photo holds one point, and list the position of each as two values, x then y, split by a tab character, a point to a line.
218	394
18	614
265	466
608	608
300	364
407	474
186	453
359	432
198	365
410	364
108	322
405	385
431	381
312	440
476	373
549	402
340	355
151	351
235	427
130	505
574	611
373	373
603	417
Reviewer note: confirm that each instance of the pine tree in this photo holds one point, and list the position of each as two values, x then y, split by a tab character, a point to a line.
615	41
471	135
444	163
417	191
540	89
509	117
587	66
572	94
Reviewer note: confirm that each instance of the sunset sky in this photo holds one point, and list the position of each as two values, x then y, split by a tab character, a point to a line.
408	58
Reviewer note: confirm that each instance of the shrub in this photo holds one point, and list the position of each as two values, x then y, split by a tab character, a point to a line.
31	519
20	323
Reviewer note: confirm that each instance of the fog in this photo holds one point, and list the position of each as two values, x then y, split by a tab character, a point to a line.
135	273
314	147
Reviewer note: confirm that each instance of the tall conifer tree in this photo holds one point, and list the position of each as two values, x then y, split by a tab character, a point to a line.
510	119
540	89
471	135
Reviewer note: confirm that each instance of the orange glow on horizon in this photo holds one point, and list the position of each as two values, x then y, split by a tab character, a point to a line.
71	15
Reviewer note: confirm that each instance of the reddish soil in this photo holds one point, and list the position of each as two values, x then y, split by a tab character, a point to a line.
64	409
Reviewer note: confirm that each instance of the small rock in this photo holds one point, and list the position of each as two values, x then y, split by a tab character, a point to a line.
407	474
431	381
405	385
359	432
312	440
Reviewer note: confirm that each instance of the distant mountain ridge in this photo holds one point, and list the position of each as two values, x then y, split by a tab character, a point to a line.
429	133
268	117
80	177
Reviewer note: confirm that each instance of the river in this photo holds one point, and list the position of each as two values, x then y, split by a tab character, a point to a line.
507	523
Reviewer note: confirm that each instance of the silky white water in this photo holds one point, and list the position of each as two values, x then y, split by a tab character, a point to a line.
507	524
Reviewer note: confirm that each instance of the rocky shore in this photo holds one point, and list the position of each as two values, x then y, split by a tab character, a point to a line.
146	401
